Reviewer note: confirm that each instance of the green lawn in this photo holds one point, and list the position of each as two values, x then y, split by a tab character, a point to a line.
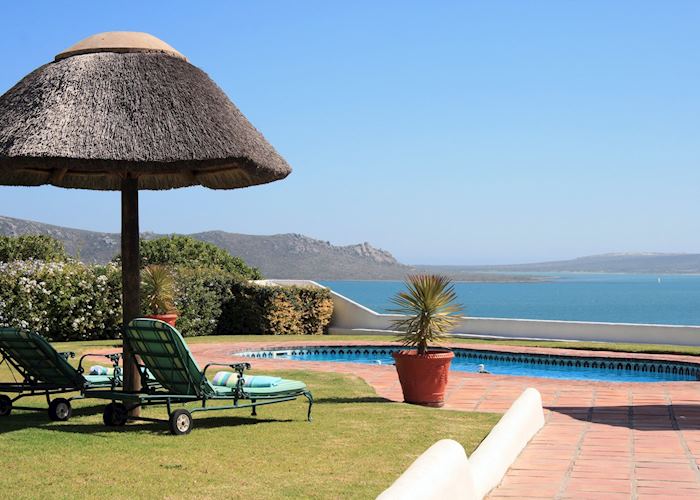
356	446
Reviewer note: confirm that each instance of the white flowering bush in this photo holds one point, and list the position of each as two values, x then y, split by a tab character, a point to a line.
61	300
75	301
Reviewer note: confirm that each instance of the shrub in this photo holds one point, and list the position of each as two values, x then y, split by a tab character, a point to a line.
186	251
258	309
201	293
317	309
75	301
429	308
62	301
31	246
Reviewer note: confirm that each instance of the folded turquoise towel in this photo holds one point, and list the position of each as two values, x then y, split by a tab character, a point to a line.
101	370
229	379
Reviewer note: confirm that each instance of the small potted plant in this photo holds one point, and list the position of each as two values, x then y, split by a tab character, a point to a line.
431	312
158	293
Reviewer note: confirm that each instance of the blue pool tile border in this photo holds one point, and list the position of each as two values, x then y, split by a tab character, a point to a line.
678	368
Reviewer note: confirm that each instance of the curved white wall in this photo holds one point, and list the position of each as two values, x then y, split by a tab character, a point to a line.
507	439
443	471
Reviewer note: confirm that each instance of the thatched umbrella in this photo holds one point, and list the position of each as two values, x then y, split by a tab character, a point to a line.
125	111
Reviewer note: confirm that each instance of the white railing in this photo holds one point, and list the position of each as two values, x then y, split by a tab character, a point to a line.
351	318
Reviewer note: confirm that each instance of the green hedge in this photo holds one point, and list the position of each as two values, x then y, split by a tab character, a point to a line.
263	310
201	294
31	246
186	251
75	301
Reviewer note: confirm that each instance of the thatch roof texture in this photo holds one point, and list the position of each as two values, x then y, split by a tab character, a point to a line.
99	113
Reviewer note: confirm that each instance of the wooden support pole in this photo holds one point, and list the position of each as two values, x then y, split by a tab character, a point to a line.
131	275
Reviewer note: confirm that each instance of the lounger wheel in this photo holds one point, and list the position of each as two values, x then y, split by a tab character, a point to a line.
5	405
115	415
60	410
180	422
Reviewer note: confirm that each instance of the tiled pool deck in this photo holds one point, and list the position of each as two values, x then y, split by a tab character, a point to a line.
600	440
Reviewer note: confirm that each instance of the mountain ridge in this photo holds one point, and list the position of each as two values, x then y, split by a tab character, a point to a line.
289	255
296	256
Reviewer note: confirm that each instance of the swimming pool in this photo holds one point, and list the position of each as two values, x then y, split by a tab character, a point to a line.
589	368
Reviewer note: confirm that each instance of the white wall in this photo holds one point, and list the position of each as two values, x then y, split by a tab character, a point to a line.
349	317
443	471
497	452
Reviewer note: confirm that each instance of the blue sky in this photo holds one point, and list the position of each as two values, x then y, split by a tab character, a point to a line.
444	132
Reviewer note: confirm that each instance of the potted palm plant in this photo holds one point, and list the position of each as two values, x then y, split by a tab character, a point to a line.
430	312
158	293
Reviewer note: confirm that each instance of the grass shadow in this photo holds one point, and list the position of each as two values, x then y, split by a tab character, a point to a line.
40	420
20	419
161	428
360	399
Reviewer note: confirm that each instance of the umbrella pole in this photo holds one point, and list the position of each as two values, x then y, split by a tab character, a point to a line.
131	278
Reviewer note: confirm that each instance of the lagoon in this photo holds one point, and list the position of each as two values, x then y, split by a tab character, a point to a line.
616	298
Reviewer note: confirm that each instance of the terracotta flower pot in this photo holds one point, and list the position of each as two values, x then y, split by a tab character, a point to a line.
423	378
168	318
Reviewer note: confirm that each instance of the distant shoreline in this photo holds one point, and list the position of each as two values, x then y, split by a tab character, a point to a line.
463	279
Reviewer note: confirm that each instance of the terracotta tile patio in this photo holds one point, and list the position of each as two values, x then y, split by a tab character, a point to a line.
600	440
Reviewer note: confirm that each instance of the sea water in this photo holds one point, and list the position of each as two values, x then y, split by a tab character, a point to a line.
617	298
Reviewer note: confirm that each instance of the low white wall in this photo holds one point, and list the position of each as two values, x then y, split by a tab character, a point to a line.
349	317
443	471
491	460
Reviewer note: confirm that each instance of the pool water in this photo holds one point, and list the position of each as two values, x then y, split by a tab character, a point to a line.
502	363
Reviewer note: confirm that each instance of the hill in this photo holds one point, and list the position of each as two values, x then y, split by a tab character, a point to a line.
290	256
278	256
652	263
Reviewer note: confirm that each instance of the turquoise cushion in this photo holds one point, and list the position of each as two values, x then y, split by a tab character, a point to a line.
260	381
99	379
284	387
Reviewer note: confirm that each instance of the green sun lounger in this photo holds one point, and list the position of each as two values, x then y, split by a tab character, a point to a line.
160	350
40	370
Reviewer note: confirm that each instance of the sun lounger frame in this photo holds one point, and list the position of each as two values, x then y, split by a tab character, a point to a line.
31	385
161	344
